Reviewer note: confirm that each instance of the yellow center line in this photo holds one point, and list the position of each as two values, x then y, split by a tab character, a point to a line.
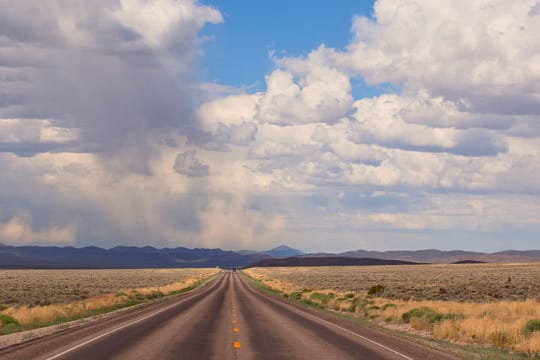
236	344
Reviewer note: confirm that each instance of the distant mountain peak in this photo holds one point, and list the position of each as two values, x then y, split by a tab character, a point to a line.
283	251
283	246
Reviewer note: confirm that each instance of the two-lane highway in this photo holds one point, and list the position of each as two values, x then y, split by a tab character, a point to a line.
226	319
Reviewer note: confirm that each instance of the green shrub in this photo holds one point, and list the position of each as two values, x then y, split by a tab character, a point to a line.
323	298
8	324
307	302
530	327
312	303
346	296
428	314
297	296
359	303
153	295
376	290
422	312
139	296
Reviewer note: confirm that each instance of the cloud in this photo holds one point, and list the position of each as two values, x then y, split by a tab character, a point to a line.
452	49
116	72
459	123
101	94
240	135
18	231
187	164
229	110
380	121
535	9
29	137
317	94
464	212
229	220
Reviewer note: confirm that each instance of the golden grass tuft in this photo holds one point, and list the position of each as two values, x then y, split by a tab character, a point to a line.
30	317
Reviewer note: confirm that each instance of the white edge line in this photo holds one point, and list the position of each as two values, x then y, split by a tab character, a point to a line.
313	317
363	338
117	329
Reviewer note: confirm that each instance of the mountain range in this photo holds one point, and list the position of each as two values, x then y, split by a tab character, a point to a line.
120	257
445	257
150	257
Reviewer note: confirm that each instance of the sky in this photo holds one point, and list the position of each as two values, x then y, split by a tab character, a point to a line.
326	126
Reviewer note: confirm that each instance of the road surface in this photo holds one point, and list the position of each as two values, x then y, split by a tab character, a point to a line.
227	319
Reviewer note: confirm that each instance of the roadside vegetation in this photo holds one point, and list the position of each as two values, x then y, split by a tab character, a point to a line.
22	313
513	326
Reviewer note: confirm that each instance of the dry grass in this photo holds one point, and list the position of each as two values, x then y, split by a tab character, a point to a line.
45	287
497	324
115	294
477	282
481	319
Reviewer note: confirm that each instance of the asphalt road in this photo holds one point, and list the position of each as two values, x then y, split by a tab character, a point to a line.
225	319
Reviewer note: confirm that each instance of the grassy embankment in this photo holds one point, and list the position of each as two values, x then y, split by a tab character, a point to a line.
23	317
497	329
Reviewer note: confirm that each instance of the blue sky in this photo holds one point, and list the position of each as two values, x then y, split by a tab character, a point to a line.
238	50
226	124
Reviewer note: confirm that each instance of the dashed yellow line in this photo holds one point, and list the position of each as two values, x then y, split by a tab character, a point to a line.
236	344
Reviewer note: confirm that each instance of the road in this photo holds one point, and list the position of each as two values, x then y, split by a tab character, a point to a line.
227	319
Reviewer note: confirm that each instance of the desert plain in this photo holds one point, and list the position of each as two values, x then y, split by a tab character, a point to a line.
477	305
36	298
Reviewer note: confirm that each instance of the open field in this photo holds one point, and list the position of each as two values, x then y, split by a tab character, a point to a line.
472	282
45	287
35	298
481	304
229	319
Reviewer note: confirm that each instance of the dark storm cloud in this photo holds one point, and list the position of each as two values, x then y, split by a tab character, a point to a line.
31	149
187	164
122	92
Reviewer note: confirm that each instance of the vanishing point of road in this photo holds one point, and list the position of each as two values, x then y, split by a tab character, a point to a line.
226	319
